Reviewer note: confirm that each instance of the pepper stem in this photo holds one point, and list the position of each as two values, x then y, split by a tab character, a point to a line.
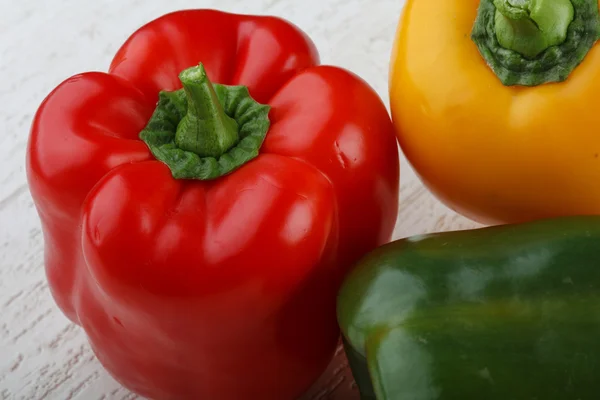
531	26
205	129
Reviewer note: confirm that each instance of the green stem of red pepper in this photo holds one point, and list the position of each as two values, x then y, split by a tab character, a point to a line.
205	131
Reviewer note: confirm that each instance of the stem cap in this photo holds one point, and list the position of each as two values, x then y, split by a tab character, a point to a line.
499	37
204	131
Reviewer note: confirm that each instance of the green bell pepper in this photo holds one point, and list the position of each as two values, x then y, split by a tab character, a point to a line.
501	313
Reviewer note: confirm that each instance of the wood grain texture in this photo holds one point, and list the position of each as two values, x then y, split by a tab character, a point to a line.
42	355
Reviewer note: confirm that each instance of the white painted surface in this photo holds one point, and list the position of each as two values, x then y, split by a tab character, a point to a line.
42	42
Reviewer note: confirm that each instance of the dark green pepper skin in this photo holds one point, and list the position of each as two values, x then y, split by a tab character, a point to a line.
501	313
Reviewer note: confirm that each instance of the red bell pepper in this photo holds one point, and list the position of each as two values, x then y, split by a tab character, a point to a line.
200	242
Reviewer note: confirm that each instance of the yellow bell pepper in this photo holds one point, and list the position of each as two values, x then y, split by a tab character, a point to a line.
494	103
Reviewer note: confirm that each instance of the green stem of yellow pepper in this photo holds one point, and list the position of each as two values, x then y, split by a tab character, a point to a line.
531	26
533	42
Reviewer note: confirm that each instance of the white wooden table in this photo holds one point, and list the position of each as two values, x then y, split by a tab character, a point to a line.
42	355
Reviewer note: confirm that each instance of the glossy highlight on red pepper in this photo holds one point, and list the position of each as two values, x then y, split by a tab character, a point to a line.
217	289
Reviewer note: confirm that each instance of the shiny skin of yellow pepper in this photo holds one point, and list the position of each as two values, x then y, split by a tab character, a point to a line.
496	144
